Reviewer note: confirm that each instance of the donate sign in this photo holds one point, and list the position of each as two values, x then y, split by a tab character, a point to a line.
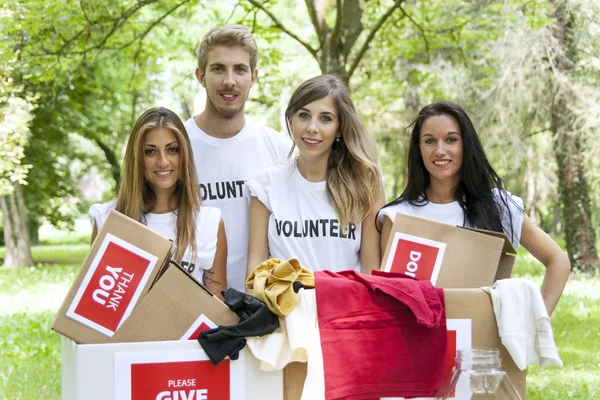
415	256
112	285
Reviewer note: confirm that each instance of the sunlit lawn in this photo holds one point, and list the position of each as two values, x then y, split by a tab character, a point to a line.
576	326
30	351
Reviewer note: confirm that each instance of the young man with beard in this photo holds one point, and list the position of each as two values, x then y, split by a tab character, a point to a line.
228	147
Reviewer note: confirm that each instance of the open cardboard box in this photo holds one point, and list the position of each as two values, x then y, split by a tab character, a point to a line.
447	255
154	354
124	261
471	323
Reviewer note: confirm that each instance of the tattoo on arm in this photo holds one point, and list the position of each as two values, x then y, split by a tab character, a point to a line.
209	280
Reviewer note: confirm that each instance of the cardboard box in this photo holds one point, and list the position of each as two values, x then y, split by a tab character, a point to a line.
471	323
163	371
476	305
123	262
447	255
177	307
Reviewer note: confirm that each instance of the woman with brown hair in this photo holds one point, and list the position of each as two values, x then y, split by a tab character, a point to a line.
320	207
159	188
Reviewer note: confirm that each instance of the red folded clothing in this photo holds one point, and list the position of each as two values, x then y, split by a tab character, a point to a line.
382	335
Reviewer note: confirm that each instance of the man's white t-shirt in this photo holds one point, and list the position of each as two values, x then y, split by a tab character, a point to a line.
223	167
303	223
453	214
207	228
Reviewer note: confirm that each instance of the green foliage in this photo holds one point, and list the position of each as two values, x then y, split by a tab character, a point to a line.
15	117
93	68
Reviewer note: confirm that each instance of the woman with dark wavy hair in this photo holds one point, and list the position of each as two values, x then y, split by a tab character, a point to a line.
450	180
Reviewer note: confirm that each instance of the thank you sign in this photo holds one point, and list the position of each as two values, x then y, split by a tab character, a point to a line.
112	285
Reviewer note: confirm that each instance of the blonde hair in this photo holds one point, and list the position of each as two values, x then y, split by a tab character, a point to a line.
136	197
352	176
229	36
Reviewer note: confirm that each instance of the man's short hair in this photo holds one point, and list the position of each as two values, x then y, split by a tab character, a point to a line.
230	36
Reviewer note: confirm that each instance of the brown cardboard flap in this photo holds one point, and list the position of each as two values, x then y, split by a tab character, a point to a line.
294	375
135	234
170	308
505	267
508	248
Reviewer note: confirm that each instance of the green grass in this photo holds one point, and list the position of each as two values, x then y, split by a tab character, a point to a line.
61	247
30	351
60	254
576	326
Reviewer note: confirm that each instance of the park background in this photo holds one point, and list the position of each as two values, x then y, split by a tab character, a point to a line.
76	74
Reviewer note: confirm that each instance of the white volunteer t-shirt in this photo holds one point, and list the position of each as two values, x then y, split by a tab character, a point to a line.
223	166
303	223
207	227
453	214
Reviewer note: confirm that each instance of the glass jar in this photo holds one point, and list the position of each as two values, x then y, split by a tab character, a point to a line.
482	369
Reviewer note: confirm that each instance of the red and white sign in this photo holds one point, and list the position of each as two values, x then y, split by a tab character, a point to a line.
177	375
203	323
415	256
112	285
459	337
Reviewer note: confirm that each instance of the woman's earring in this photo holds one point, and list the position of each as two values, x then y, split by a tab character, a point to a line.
337	139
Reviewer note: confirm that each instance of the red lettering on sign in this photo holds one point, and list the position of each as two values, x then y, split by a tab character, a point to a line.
415	259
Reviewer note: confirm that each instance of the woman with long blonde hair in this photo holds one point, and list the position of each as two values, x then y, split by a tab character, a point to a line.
320	207
159	188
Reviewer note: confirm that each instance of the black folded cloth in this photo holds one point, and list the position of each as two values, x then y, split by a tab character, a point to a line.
255	320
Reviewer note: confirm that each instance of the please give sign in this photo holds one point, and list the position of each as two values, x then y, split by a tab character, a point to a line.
177	375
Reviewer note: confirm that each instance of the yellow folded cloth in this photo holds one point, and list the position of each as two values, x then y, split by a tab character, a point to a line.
272	282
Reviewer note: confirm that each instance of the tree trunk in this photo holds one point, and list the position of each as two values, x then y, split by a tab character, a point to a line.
16	232
557	223
33	225
337	53
530	201
573	187
112	159
573	190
